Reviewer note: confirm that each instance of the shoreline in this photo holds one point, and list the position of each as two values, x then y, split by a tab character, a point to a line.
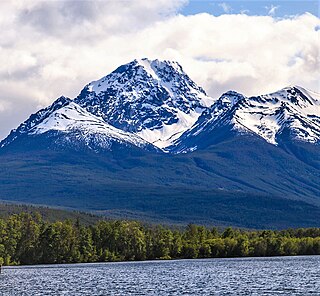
53	265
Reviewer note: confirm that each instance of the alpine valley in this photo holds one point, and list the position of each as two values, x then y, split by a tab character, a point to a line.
146	142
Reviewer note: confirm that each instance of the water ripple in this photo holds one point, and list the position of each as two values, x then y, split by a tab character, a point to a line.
246	276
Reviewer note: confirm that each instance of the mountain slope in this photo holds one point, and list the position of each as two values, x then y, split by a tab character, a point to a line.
66	124
200	187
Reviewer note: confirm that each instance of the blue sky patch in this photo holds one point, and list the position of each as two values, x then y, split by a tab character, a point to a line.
273	8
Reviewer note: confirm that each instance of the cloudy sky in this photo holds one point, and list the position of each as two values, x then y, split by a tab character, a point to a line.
53	48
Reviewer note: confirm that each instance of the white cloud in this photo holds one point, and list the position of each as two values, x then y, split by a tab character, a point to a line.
272	9
225	7
54	48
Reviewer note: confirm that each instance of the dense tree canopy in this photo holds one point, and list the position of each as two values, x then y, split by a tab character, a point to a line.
28	239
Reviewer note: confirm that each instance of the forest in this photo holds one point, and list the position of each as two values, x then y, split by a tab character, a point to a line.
29	239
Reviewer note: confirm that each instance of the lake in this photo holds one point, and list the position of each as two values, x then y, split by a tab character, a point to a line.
238	276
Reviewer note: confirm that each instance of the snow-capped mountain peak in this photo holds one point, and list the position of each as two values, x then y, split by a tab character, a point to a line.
154	99
35	119
291	111
71	125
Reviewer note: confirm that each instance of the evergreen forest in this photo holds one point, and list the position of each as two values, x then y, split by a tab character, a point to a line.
29	239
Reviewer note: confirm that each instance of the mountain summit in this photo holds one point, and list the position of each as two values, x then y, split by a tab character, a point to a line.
154	99
291	114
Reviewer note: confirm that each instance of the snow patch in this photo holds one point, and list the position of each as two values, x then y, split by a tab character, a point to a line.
72	117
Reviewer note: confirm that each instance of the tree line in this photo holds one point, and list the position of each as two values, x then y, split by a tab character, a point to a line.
28	239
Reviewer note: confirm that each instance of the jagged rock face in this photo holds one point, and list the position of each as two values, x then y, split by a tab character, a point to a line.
34	120
152	101
155	99
291	108
78	125
291	111
66	124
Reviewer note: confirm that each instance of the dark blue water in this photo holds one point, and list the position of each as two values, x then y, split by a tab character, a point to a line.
247	276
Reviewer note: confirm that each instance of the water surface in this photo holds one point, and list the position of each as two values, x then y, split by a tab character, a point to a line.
245	276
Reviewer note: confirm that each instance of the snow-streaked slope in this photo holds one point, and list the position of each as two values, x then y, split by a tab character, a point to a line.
292	110
75	126
154	99
33	120
73	118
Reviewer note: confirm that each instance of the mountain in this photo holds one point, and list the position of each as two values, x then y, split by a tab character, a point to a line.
291	114
156	100
146	142
65	124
